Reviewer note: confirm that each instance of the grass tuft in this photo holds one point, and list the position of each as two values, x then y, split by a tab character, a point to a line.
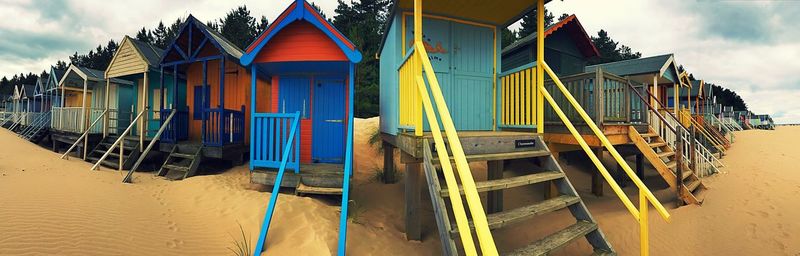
241	246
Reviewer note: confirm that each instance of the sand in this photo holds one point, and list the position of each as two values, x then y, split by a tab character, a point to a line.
50	206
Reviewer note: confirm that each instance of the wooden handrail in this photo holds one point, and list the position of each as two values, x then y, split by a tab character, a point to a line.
83	136
139	161
121	137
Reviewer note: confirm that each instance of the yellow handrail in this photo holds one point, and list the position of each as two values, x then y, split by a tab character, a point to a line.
644	193
462	166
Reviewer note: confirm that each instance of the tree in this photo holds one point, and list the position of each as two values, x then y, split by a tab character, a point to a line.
262	24
507	37
727	97
611	51
563	16
238	27
528	23
362	22
144	35
316	7
61	65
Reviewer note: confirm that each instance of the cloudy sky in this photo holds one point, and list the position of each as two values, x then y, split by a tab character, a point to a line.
752	47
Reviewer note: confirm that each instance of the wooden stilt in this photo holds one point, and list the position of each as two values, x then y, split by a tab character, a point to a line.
412	206
640	166
494	200
597	180
551	191
389	173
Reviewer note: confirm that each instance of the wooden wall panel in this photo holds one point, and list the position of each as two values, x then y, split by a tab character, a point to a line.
300	41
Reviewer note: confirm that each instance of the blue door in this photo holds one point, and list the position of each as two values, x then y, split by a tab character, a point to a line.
328	122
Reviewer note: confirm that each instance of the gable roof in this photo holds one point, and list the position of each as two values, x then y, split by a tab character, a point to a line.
301	10
150	57
569	25
215	38
89	75
54	78
27	91
660	64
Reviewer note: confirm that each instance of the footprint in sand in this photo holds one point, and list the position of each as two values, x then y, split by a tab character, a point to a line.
751	230
171	225
763	214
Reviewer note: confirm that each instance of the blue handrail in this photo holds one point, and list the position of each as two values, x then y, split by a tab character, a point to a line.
348	169
262	236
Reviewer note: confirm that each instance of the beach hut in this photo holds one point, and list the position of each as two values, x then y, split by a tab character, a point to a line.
667	122
133	115
77	115
18	109
39	116
211	100
306	123
442	69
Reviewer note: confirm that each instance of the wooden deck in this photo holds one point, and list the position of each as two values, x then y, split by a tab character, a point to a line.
318	175
473	142
231	152
617	134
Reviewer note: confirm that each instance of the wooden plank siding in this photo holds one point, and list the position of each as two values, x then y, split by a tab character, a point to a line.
301	41
126	61
237	92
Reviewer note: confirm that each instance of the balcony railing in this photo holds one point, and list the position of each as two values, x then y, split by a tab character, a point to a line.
223	126
269	139
178	128
614	98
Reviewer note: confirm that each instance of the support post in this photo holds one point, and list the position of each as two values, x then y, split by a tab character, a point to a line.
551	190
640	166
539	68
389	173
108	101
143	122
494	199
412	206
203	101
679	167
644	225
597	180
692	148
221	122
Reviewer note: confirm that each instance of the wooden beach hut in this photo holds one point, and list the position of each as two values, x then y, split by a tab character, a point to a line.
81	104
132	111
39	116
443	69
211	100
305	124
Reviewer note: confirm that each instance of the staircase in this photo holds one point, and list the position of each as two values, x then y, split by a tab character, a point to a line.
36	131
182	162
547	170
131	152
664	158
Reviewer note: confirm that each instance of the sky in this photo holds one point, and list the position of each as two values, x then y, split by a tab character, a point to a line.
752	47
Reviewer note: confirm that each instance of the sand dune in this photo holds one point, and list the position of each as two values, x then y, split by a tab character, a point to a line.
50	206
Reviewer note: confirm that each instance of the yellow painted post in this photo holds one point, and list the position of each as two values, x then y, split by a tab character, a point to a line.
417	63
643	225
528	87
539	72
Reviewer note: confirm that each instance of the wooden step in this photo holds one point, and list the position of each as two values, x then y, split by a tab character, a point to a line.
499	156
666	154
557	240
304	189
658	144
512	182
686	174
176	167
671	165
505	218
649	135
182	155
693	185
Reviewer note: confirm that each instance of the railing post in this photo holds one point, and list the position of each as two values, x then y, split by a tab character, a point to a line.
692	152
644	234
539	69
599	99
679	165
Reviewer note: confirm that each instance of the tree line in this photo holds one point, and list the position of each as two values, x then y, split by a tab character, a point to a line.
362	21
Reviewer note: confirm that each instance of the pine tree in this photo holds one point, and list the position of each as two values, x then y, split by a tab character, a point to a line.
238	27
528	23
160	35
508	37
262	24
611	51
563	16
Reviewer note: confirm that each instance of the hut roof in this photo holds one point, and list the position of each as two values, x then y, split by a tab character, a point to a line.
569	25
301	10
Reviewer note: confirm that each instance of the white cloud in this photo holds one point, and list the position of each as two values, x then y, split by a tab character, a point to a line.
719	41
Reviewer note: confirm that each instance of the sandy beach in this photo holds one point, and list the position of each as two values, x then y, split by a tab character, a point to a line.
50	206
